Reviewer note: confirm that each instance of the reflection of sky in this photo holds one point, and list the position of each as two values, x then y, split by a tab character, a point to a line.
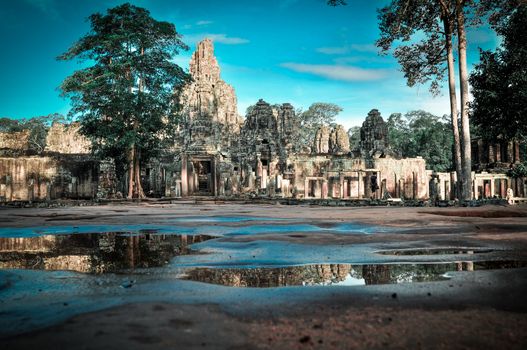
204	229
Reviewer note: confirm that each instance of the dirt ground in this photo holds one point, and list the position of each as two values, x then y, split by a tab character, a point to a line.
489	311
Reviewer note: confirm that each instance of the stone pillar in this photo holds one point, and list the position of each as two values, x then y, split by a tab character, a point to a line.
498	153
492	154
345	189
475	190
259	167
324	193
442	189
402	189
215	176
517	152
480	152
510	152
360	186
503	188
184	177
306	188
341	187
492	189
415	189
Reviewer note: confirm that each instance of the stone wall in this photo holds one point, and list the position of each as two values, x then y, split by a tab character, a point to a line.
403	178
45	178
66	139
17	141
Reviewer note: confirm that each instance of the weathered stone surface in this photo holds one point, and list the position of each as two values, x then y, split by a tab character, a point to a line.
210	103
374	135
322	140
339	142
44	178
66	139
15	140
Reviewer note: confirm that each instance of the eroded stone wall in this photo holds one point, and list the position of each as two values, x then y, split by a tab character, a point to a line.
66	139
17	141
46	178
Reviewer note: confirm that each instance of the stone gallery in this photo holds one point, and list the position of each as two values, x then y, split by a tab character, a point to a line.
219	153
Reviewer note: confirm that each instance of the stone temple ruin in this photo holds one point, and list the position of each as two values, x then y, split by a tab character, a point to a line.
219	153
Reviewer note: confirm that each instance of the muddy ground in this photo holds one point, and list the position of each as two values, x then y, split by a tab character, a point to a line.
477	309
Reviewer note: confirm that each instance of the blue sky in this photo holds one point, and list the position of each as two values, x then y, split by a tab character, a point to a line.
297	51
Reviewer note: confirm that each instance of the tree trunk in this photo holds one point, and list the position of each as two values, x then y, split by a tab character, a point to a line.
131	173
135	189
466	185
447	22
137	177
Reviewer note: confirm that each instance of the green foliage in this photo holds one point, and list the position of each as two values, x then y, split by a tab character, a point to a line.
11	125
419	133
314	117
127	99
518	171
499	82
419	37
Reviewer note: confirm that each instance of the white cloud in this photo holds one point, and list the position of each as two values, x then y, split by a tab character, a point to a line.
217	38
203	23
333	50
341	50
337	72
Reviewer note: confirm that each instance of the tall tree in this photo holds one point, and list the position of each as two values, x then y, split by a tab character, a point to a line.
499	82
126	101
428	59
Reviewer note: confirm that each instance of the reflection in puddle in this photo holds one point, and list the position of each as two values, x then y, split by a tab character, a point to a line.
339	274
94	253
436	251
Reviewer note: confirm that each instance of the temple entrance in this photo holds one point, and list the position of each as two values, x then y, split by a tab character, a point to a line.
204	176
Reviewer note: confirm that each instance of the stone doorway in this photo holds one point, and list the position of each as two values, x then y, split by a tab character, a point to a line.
203	170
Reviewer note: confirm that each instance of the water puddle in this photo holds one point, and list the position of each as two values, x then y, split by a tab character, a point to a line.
436	251
340	274
204	226
95	253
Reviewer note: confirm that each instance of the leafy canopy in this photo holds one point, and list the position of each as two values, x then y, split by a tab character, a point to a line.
419	133
127	98
499	82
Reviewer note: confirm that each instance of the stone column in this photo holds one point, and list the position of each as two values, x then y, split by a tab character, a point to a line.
324	193
184	177
475	190
498	153
503	188
480	151
360	186
306	188
492	189
215	176
517	152
492	154
510	152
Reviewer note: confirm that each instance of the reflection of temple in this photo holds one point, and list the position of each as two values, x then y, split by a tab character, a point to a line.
93	253
323	274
